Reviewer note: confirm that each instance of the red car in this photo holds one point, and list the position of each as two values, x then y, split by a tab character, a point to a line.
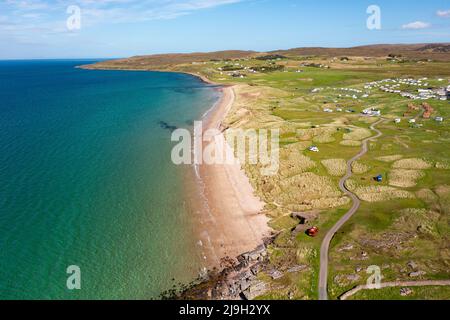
312	232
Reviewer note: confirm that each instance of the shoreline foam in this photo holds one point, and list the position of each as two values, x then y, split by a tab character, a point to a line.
229	219
234	223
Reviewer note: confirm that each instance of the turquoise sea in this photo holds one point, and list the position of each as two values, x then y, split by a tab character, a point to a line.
86	180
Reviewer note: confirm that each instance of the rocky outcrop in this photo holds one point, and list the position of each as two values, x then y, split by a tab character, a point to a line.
275	274
237	280
253	256
347	247
416	274
240	281
404	292
297	268
412	265
257	289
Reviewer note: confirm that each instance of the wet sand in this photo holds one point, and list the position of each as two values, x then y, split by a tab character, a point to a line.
231	222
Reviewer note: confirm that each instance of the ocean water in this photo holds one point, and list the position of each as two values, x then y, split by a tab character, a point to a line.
86	180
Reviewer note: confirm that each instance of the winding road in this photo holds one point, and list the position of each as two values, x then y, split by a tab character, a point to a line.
323	274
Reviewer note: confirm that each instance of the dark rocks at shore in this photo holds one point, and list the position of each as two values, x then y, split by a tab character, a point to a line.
236	281
255	269
165	125
256	255
241	280
275	274
257	289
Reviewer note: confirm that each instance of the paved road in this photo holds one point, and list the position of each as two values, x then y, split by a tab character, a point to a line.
394	284
323	274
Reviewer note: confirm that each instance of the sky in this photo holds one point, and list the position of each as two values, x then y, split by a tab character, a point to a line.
39	29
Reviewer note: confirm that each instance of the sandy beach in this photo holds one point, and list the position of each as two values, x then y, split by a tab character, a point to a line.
232	222
228	221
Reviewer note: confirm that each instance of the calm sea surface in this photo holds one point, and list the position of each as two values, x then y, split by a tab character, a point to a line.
86	180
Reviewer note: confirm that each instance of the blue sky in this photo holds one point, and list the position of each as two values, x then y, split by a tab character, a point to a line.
119	28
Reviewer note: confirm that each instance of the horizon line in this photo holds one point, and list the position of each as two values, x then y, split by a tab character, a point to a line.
225	50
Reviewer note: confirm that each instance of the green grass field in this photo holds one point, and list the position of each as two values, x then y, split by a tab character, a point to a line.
428	293
390	229
389	233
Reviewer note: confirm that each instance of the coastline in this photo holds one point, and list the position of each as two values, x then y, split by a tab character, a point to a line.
229	220
232	222
197	75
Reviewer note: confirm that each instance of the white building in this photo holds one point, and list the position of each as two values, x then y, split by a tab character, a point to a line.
372	112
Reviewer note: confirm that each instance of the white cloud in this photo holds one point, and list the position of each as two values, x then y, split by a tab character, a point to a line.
416	25
28	5
111	11
38	18
115	11
443	13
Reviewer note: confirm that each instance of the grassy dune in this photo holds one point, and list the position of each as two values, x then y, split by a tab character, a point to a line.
403	219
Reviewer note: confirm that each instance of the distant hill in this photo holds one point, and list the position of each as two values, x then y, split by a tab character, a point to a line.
435	51
167	60
436	48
